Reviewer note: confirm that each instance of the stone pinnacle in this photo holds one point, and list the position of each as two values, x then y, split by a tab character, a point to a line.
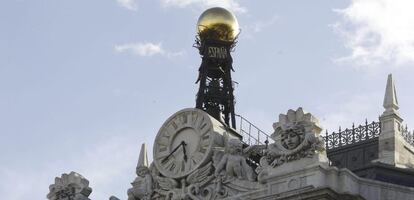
143	158
390	98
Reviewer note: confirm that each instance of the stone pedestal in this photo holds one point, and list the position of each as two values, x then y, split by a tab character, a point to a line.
389	139
292	167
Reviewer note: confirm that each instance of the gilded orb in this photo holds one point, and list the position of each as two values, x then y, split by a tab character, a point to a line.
219	24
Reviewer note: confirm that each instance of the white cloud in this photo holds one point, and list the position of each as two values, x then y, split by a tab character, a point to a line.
129	4
377	31
203	4
147	49
140	49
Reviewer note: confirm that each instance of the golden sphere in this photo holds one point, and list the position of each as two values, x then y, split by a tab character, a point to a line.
218	23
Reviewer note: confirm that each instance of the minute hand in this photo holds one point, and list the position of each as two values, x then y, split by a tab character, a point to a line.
174	150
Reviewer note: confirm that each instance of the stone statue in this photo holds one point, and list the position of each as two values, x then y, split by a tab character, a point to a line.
142	187
296	136
71	186
233	163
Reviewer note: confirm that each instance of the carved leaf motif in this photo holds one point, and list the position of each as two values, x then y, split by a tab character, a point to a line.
166	183
200	175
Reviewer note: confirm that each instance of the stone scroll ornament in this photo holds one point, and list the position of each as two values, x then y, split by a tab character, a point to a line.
296	136
72	186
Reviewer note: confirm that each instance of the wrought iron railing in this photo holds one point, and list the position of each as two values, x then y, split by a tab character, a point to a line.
352	136
407	135
252	135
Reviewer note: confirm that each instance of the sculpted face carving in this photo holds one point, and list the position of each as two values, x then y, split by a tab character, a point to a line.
235	147
296	136
291	138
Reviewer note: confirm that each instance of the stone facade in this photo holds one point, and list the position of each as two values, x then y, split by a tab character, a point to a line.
196	157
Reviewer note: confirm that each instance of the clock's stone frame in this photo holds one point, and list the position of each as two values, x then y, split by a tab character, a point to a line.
200	122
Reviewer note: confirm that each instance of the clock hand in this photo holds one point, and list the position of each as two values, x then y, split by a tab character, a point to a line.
174	150
184	151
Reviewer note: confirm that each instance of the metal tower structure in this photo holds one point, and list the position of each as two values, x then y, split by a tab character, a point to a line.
215	94
216	39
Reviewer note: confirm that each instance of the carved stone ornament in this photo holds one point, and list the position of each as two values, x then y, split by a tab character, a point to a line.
296	136
201	184
232	163
197	157
72	186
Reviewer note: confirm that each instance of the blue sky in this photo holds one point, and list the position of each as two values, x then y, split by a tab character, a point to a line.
84	83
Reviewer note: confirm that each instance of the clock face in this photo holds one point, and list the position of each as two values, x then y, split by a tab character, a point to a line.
183	143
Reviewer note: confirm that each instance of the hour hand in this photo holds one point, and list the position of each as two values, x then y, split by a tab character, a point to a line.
184	151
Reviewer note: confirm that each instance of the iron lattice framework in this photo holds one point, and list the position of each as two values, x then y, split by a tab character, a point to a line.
352	136
215	94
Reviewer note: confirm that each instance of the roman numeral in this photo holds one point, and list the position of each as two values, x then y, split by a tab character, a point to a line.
202	125
170	129
167	162
200	121
195	119
205	142
167	133
205	129
184	118
174	125
203	150
163	141
172	166
162	148
180	121
193	161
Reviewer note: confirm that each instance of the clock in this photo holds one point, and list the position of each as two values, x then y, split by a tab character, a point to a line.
185	142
